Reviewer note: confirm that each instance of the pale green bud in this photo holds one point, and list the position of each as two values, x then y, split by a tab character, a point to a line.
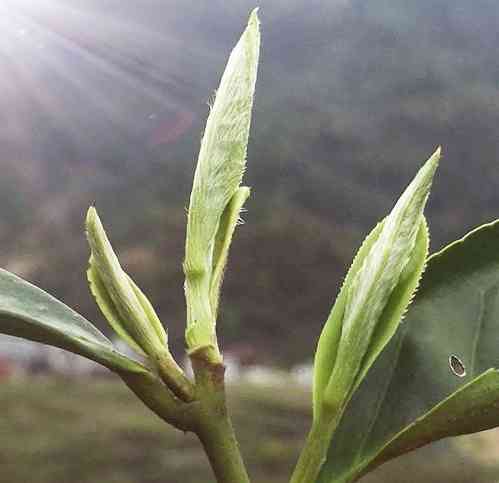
219	171
126	308
376	292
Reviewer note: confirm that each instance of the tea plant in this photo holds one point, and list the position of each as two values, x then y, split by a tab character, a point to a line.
381	388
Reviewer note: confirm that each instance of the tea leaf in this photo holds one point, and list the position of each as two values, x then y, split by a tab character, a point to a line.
223	239
219	171
412	395
30	313
126	308
365	315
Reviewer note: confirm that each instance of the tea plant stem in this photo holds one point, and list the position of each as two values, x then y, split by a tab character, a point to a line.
220	445
173	376
214	427
314	453
157	397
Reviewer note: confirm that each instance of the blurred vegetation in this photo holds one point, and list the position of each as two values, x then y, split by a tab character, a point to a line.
60	431
352	96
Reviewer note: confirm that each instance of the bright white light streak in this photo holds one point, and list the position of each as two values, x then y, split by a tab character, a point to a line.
102	60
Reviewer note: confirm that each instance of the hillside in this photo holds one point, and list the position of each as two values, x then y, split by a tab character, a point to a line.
352	96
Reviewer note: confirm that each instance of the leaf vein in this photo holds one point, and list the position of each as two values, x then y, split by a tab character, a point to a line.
478	330
382	396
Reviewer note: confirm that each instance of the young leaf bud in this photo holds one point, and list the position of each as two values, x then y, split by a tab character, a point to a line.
366	314
124	305
127	309
219	171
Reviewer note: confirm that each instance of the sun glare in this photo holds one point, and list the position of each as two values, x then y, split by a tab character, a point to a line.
77	65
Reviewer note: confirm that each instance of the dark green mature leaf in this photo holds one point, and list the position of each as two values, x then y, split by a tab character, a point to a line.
439	375
33	314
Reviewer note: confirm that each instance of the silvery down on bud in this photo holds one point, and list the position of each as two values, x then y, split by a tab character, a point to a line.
346	344
123	304
219	171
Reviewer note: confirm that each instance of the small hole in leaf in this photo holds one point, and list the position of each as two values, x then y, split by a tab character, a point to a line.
457	366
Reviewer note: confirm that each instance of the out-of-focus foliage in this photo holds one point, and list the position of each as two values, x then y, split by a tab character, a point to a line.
352	95
66	440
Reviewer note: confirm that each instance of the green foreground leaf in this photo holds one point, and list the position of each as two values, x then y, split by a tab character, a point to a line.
389	320
28	312
439	375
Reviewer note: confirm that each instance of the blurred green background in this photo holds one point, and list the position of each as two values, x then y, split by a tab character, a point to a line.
58	431
104	102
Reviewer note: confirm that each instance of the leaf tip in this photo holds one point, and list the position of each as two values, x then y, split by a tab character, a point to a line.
253	17
91	215
93	225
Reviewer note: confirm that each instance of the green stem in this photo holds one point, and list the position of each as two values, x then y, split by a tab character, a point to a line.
314	452
219	442
173	376
214	427
158	397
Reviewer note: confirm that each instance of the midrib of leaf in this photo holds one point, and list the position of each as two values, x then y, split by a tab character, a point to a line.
476	338
381	399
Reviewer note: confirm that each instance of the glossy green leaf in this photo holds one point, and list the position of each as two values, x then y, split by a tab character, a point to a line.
439	375
28	312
